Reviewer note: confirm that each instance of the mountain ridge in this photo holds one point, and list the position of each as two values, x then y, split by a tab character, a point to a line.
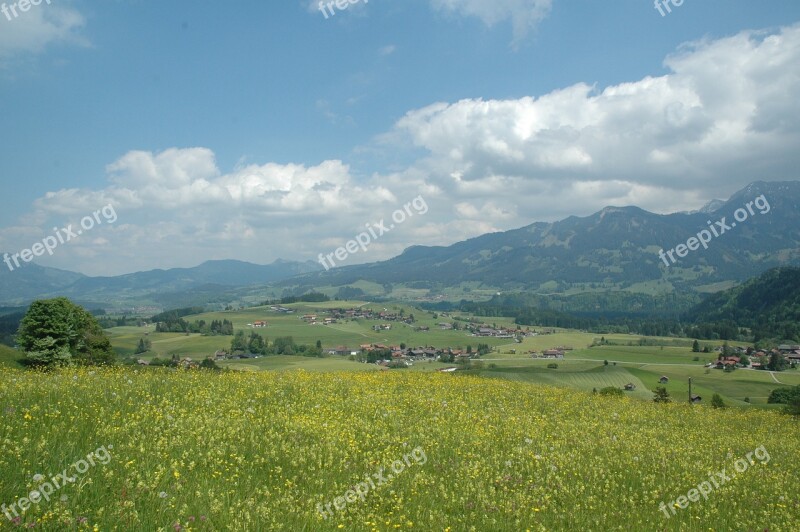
617	246
215	276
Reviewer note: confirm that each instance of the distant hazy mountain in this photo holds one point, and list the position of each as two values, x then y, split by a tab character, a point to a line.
33	281
612	249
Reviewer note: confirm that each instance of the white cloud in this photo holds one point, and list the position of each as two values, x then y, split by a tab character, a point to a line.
31	32
176	207
525	15
721	117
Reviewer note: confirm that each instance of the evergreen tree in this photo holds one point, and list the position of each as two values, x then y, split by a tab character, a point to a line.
56	332
777	362
239	343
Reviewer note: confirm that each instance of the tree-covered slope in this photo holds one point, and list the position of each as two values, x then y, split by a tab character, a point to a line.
768	304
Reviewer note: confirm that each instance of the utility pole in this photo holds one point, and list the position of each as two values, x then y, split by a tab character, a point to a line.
690	391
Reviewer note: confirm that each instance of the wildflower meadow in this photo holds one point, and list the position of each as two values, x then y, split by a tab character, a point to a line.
201	450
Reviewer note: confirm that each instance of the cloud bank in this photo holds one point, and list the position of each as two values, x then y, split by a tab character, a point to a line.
722	117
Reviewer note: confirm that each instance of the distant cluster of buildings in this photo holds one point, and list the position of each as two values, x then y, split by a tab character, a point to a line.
486	331
418	354
340	314
313	319
555	352
758	358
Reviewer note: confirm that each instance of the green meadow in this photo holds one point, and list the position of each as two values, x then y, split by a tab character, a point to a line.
583	368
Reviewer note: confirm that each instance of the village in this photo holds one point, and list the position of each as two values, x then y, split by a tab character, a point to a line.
740	357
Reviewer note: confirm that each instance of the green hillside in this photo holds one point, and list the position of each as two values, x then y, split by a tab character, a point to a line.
768	304
9	357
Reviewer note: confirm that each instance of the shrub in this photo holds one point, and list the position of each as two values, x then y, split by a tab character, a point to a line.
611	390
552	365
717	402
784	394
661	395
209	363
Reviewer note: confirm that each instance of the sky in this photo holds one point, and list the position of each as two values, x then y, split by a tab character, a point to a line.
174	132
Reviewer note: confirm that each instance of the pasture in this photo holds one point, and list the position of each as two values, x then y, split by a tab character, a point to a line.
582	369
294	450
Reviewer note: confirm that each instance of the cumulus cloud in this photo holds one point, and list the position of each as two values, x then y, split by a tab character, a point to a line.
719	118
31	32
176	207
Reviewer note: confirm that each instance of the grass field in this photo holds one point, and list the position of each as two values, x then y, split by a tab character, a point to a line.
158	449
9	357
582	369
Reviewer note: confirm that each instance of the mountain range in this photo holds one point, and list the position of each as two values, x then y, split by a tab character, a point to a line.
164	287
615	249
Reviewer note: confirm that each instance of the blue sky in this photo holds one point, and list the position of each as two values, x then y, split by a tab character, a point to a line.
262	130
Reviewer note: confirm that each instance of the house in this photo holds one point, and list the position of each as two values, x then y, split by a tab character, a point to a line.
664	379
553	353
630	387
187	363
259	324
